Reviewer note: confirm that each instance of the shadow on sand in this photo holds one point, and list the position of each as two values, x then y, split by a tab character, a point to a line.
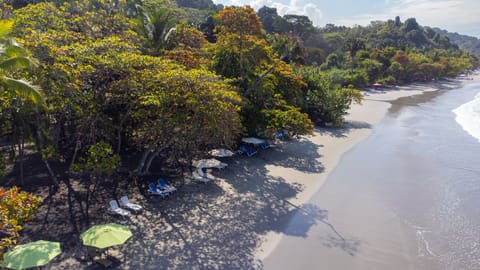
218	225
344	130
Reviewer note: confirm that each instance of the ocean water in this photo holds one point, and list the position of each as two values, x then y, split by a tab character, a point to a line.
468	116
408	197
437	177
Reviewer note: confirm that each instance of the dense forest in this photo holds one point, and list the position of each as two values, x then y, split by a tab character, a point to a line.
103	86
169	80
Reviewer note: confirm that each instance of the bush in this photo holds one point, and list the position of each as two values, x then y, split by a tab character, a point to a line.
389	80
327	102
15	208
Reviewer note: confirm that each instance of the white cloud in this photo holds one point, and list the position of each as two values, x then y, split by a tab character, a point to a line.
293	7
453	15
461	16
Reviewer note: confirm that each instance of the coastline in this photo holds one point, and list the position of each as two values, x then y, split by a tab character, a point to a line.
242	220
334	143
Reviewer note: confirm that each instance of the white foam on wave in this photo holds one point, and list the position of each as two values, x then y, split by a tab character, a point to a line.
468	116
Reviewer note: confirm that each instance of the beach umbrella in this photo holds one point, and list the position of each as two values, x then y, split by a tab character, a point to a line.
377	85
253	140
106	235
29	255
209	163
221	152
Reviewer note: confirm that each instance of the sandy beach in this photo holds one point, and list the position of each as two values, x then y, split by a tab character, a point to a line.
333	143
287	250
241	220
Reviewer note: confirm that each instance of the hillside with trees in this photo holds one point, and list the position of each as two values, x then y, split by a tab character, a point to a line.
468	43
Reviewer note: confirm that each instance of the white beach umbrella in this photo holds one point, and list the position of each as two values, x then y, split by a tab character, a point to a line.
209	163
221	152
253	140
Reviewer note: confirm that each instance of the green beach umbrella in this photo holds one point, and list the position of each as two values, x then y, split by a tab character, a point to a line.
107	235
29	255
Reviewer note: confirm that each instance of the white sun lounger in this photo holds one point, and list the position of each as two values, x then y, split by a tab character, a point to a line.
197	177
116	210
125	203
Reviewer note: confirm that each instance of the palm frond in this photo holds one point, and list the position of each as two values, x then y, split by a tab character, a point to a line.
16	62
25	89
5	27
14	50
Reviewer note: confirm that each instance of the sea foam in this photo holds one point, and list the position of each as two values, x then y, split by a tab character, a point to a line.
468	116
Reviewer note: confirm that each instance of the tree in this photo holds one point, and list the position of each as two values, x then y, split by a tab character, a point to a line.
268	16
353	45
301	25
266	83
241	21
22	96
99	163
410	25
181	113
326	102
240	31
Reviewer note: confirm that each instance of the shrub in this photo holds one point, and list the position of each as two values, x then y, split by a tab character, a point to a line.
15	208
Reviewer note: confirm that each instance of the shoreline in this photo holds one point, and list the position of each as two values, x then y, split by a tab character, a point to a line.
334	143
238	220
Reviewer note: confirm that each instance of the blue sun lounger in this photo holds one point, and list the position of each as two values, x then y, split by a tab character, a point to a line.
153	190
164	186
247	150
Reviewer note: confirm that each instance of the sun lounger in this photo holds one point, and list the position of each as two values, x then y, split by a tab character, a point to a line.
116	210
204	173
281	135
264	145
153	190
247	150
164	186
197	177
125	203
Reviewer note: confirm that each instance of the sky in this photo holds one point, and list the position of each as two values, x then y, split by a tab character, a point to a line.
461	16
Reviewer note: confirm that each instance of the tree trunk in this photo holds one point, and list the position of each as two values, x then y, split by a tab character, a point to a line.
21	146
119	131
77	147
40	144
259	80
146	170
141	164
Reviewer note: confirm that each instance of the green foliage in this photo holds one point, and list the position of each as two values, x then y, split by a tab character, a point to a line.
288	119
343	77
99	159
326	102
13	59
471	44
15	208
182	111
197	4
137	76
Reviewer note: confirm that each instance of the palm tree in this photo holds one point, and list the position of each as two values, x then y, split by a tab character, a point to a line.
12	58
353	45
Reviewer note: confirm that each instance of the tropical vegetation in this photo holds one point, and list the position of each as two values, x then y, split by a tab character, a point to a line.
103	86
